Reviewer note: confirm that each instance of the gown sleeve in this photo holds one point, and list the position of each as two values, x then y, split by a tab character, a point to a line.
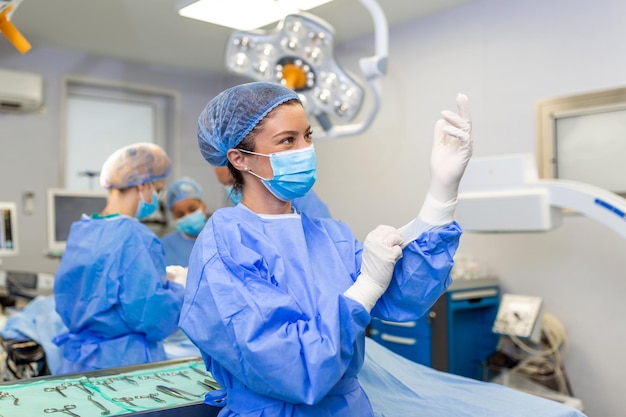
421	276
149	303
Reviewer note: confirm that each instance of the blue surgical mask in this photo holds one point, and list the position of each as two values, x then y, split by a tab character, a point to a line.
233	195
147	209
294	172
192	223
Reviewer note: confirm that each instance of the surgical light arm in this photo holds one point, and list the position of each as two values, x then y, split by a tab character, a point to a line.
503	194
373	68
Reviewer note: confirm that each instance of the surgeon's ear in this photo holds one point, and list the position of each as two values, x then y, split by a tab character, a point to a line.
237	159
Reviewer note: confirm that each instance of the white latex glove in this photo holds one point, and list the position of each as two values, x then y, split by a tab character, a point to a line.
452	150
177	274
381	251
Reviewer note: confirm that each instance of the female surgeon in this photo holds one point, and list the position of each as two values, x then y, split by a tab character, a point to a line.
277	301
110	288
184	200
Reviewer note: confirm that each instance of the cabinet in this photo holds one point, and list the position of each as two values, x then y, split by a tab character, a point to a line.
455	335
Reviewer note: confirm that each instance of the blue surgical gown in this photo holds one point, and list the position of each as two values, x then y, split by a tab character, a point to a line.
311	204
177	248
111	293
264	304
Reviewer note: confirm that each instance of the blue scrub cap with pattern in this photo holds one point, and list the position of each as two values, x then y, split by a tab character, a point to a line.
135	164
182	189
232	114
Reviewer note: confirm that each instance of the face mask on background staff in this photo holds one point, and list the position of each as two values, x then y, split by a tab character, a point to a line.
233	195
145	209
192	223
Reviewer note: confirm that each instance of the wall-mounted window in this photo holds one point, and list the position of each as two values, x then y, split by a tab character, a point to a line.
102	116
583	138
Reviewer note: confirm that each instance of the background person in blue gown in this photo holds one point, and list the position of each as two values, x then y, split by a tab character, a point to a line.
110	288
278	301
189	212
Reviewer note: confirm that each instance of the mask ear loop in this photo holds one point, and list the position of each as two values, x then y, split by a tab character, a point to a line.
248	170
140	191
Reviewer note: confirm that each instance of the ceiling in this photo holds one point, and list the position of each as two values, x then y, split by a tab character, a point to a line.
152	32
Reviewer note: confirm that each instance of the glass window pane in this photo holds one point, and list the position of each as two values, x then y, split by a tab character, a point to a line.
95	128
591	148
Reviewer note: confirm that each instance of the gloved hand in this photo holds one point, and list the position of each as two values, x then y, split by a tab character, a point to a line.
381	251
177	274
452	150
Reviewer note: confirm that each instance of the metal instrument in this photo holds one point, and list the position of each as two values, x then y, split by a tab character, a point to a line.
171	391
58	388
127	400
66	409
154	396
105	410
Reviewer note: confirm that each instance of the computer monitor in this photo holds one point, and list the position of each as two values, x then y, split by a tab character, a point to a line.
64	208
8	229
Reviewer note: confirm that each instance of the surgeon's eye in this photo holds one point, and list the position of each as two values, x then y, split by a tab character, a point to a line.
308	136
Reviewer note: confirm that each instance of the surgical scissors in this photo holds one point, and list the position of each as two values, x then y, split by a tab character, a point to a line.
66	409
58	388
4	394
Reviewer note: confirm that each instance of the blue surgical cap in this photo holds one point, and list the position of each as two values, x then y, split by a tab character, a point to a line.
233	113
182	189
133	165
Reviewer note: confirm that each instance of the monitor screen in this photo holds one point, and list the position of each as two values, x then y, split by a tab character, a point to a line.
64	208
8	229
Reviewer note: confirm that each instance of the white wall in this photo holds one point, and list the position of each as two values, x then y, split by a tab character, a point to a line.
505	55
29	142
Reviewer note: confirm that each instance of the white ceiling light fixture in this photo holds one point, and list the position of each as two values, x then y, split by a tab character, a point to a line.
258	13
298	54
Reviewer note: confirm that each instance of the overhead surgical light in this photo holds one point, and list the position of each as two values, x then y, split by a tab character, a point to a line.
298	54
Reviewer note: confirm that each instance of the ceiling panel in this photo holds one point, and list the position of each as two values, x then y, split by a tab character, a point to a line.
151	31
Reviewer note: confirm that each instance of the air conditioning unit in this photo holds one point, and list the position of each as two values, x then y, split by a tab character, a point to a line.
20	91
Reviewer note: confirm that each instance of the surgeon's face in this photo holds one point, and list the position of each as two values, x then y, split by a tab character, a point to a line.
187	206
286	128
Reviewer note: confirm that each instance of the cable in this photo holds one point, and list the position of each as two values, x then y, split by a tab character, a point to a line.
548	360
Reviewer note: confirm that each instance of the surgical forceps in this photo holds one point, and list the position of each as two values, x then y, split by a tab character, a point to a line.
105	411
4	394
66	409
58	388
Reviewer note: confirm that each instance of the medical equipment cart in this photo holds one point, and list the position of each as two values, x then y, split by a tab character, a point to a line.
455	335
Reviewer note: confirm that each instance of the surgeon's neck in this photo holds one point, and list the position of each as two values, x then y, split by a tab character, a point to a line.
261	201
121	202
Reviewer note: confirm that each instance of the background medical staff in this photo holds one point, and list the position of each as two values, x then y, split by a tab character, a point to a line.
184	201
110	288
278	301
